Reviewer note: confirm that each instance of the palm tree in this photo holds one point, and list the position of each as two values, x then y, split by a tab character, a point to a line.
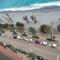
9	18
10	21
33	18
52	38
11	27
26	19
20	26
0	24
32	30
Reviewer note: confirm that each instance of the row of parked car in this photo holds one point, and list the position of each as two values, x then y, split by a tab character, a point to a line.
45	43
6	45
23	38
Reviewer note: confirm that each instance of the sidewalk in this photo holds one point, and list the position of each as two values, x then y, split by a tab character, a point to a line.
10	53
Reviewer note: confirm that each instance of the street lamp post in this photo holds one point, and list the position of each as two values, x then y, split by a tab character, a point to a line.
52	23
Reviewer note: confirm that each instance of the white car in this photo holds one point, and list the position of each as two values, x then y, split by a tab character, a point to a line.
5	43
52	45
26	39
10	36
41	42
18	37
21	38
30	40
44	43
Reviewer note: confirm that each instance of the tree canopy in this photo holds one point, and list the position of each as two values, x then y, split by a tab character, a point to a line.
58	28
45	28
32	30
19	24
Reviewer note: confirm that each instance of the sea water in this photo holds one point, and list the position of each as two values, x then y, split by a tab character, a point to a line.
14	5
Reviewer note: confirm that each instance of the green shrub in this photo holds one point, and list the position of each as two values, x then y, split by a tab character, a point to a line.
45	28
35	36
19	24
58	28
32	30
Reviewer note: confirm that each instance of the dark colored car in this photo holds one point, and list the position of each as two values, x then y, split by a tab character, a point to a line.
8	45
40	58
15	37
24	52
14	32
1	43
24	34
13	49
37	42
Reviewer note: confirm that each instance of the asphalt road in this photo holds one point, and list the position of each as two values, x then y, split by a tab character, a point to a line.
47	52
4	57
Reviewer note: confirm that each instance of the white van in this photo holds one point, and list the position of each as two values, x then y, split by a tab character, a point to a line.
44	43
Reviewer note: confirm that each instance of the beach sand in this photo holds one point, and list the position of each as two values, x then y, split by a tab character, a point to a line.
43	16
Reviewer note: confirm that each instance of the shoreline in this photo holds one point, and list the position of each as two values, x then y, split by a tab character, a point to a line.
42	8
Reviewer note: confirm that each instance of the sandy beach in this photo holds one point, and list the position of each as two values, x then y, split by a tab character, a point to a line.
43	16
